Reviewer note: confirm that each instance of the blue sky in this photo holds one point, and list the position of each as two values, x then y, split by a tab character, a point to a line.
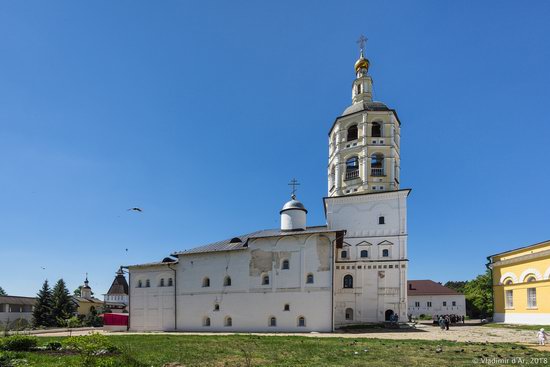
200	112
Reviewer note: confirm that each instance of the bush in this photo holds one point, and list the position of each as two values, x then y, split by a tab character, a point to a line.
19	343
89	347
53	346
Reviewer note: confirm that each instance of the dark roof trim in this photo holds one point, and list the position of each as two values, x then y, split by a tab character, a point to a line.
519	248
362	111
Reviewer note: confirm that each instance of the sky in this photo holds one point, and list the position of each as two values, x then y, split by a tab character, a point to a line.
200	112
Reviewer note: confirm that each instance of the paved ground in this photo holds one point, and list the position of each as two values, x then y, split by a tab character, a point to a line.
462	333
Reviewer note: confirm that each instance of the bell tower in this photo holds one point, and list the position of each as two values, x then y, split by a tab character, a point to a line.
364	142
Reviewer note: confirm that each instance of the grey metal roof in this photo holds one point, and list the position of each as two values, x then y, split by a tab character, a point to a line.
154	263
226	244
17	300
365	106
294	204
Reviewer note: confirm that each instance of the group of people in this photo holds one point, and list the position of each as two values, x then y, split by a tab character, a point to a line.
445	320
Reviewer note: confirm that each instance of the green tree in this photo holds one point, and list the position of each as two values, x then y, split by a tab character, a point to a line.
42	313
78	291
457	285
479	292
3	292
63	306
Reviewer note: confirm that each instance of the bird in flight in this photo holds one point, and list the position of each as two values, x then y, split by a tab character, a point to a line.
135	209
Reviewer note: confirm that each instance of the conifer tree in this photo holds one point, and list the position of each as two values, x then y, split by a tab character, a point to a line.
63	307
3	292
42	313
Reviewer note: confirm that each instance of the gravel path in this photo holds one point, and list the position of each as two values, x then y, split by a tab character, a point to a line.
463	333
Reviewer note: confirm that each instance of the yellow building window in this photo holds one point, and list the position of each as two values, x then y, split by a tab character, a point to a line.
510	299
531	297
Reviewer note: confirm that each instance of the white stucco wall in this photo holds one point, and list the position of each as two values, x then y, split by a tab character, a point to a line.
379	282
523	318
247	301
437	307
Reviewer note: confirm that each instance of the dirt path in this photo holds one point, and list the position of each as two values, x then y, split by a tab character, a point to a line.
465	333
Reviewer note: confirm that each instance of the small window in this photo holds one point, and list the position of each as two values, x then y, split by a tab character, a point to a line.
265	280
206	282
309	279
147	283
348	281
228	321
287	307
227	281
161	282
286	265
385	253
301	321
376	130
429	304
364	253
510	299
272	321
508	282
381	220
216	306
206	321
454	303
444	303
352	133
349	314
344	254
531	279
531	297
170	282
417	304
140	284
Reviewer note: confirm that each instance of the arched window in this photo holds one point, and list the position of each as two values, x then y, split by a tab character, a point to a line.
286	265
301	321
161	282
377	164
344	254
170	282
352	132
216	306
287	307
508	281
140	284
364	253
206	321
206	282
147	283
228	321
348	281
352	168
349	313
385	253
531	278
332	177
265	280
227	281
376	130
272	321
309	279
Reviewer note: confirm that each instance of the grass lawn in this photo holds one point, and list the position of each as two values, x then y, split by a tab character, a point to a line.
244	350
518	327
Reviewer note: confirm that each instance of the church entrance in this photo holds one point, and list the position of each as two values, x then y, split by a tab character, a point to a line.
389	314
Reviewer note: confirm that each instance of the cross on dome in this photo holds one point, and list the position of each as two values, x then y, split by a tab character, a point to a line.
294	182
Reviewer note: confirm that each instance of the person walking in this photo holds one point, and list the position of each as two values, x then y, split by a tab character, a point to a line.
542	335
447	322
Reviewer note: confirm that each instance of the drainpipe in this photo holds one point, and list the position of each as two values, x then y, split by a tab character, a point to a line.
175	298
488	265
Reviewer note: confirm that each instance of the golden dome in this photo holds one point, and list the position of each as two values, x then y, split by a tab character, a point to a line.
361	63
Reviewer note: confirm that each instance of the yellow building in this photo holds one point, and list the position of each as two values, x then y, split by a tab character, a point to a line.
521	284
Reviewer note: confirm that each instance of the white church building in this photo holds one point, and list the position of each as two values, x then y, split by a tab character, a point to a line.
300	278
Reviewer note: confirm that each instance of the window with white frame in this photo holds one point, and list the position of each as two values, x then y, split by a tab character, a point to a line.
428	304
417	304
531	297
509	299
